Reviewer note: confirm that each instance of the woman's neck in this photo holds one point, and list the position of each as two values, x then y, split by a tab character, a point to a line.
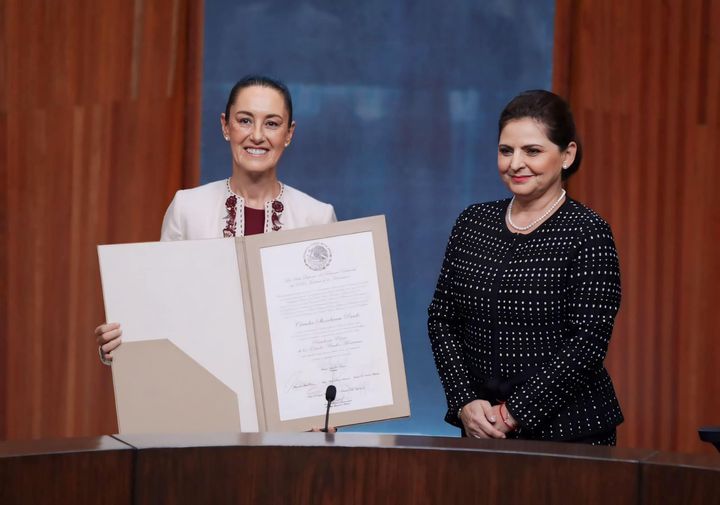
256	189
525	214
530	205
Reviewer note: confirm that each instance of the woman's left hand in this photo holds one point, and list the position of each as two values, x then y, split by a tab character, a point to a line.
502	414
480	420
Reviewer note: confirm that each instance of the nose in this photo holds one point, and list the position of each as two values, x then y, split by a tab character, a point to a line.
517	161
257	134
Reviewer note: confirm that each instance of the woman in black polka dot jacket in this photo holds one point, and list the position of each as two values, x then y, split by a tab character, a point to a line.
527	295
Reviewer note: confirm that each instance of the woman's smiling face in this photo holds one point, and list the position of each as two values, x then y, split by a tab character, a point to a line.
530	164
258	129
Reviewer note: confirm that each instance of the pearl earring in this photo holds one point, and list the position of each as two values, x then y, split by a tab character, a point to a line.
227	138
564	166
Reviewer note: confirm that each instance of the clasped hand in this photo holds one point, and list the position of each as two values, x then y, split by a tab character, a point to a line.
482	420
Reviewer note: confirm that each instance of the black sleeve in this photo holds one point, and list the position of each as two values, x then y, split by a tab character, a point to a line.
444	328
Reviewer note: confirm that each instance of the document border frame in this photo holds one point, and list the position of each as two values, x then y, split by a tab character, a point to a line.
265	367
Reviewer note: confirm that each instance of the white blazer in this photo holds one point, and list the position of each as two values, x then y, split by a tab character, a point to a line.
199	213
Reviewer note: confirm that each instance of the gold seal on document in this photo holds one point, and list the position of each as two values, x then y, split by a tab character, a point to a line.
318	256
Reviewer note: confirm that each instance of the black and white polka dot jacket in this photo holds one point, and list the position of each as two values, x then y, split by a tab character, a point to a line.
536	309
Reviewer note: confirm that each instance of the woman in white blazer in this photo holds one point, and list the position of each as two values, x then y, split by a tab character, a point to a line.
203	212
258	125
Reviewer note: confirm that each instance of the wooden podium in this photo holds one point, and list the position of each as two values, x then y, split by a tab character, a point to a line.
345	468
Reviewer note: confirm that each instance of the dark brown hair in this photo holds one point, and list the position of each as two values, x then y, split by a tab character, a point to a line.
265	82
553	113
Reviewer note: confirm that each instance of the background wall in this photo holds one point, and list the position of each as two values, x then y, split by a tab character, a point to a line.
98	128
396	108
643	79
396	105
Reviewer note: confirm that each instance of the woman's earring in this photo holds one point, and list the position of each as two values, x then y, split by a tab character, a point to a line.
227	138
564	166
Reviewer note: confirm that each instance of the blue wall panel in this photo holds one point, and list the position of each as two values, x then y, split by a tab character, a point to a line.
396	104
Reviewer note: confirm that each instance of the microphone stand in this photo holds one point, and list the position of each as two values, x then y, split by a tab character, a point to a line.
330	393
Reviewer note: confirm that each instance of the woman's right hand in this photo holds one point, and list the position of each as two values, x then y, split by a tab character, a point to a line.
478	418
108	339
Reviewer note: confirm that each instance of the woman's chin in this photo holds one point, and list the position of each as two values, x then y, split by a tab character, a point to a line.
521	190
255	169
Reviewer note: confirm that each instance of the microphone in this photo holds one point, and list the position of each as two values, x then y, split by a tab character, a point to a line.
330	393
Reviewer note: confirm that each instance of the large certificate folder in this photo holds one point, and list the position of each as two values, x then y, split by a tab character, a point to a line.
245	334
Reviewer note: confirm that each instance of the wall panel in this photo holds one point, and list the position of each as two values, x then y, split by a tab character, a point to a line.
396	104
96	103
643	80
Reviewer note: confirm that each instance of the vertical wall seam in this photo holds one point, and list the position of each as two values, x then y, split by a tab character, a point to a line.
137	41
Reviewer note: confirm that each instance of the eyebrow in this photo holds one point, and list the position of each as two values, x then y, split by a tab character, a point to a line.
248	113
525	146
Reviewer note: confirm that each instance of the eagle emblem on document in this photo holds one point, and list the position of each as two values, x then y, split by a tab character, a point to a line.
318	256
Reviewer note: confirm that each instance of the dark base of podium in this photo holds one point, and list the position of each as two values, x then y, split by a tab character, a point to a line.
315	468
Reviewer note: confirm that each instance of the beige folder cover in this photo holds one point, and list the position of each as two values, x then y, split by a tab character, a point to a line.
188	292
160	388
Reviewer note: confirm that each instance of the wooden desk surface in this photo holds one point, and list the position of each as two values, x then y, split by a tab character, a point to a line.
367	468
346	468
681	478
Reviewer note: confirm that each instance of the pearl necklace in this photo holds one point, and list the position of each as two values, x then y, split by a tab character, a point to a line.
546	214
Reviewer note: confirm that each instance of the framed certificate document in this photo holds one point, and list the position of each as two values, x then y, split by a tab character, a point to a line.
265	322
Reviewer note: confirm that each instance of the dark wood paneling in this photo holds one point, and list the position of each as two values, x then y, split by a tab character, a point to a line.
642	79
681	478
314	468
99	126
362	475
360	469
70	471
